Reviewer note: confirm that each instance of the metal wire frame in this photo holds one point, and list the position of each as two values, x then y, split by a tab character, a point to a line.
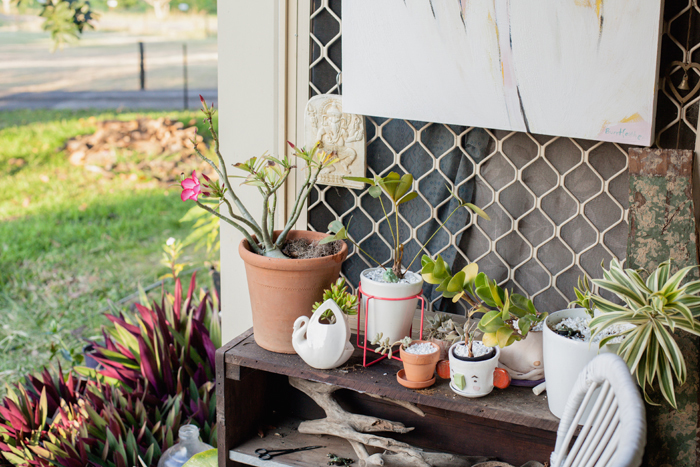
554	289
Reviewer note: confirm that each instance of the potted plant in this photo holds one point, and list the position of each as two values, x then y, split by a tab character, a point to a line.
508	317
287	270
419	359
442	331
392	318
650	311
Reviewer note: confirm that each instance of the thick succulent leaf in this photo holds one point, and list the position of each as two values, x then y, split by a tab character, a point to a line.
503	336
470	272
489	339
456	284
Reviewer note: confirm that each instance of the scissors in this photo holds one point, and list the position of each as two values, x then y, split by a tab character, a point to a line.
266	455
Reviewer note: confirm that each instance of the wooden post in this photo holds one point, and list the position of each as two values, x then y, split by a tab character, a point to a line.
184	73
142	70
662	226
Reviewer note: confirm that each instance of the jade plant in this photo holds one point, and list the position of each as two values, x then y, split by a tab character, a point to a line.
346	301
508	316
387	346
657	307
266	173
398	188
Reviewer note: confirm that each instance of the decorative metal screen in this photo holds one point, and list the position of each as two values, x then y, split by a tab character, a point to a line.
558	206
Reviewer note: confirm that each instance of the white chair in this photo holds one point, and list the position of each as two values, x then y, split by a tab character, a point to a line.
614	435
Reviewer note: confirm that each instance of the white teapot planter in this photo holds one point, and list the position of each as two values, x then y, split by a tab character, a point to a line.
323	346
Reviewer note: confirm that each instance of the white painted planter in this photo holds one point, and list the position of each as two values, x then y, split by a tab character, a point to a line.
478	376
323	346
564	359
523	359
393	318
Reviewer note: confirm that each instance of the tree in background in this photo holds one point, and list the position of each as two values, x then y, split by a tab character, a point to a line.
160	7
65	19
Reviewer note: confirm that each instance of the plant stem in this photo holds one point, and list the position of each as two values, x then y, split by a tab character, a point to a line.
217	150
247	218
422	248
365	253
253	245
301	200
386	216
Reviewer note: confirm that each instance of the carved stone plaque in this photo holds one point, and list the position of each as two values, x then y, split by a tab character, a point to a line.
343	133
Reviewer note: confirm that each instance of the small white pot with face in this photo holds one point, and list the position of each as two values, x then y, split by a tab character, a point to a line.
472	378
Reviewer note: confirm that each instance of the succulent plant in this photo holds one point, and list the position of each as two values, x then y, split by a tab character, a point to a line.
508	317
345	300
386	346
443	328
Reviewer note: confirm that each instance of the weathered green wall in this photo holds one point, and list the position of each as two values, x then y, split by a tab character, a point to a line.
662	225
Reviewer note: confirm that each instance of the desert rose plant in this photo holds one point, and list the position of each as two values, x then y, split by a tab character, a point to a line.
268	174
657	307
398	188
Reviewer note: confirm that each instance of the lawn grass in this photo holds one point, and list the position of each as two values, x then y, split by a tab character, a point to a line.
71	240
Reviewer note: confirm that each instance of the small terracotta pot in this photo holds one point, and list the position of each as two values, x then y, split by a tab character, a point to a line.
420	368
281	290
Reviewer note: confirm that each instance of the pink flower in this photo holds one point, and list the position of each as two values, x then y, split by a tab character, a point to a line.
190	188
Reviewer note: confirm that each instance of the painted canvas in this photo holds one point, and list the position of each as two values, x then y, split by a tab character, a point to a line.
577	68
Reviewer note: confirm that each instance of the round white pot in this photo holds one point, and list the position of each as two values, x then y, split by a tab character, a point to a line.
472	378
564	359
523	359
393	318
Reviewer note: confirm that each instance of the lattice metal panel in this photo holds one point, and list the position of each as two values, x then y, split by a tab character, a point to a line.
558	206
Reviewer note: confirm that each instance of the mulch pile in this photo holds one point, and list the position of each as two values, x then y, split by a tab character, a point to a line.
159	148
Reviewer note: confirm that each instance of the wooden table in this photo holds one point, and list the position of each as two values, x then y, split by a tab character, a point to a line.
256	407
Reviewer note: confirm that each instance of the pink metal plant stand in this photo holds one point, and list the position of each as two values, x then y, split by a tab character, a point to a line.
364	346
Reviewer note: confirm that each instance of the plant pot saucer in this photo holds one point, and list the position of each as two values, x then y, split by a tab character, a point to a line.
465	394
401	378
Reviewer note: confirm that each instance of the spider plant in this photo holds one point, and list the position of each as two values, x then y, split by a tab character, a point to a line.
657	307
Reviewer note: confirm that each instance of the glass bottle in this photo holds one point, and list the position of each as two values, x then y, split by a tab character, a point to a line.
188	446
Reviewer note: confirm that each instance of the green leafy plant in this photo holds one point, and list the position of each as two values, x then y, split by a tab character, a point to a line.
657	307
345	300
266	173
386	346
508	317
398	188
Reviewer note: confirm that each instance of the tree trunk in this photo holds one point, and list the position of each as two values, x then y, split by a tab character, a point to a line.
6	6
161	8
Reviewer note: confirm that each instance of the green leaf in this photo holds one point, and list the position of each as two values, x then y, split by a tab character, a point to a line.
375	192
470	272
407	198
491	321
503	335
368	181
456	284
335	226
665	376
208	458
403	187
389	184
478	211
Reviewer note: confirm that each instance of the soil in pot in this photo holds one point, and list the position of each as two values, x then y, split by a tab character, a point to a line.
281	290
419	361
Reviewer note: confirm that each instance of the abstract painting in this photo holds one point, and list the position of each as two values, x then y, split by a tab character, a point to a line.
576	68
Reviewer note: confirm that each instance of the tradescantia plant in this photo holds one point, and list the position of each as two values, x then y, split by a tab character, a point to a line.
157	374
398	188
266	173
508	317
657	307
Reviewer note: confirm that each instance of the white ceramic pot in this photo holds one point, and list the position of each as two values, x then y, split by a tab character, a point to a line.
472	378
393	318
523	359
564	359
323	346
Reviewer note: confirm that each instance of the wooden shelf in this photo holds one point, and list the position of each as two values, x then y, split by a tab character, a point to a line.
515	405
253	392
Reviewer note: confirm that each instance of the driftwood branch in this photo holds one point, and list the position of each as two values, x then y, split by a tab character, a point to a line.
357	429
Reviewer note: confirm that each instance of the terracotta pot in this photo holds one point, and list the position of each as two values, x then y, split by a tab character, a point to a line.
420	368
281	290
444	346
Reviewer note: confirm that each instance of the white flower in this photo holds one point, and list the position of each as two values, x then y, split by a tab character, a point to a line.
170	242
